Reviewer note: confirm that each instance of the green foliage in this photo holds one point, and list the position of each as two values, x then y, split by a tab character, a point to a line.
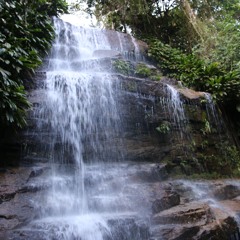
25	36
197	73
163	128
227	164
140	70
207	30
219	162
233	156
196	42
221	44
178	23
207	128
156	77
13	104
121	66
143	70
147	71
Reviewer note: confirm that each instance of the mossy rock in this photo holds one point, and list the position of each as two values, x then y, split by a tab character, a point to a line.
148	71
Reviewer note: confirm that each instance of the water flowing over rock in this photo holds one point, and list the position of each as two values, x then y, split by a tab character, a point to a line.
102	145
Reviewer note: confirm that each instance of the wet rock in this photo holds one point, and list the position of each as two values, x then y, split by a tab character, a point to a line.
143	86
17	195
37	171
174	232
26	235
11	181
106	53
232	206
229	191
7	196
191	94
175	214
224	226
143	105
201	216
159	172
170	200
32	188
127	229
187	213
122	228
196	221
126	40
155	173
17	211
193	220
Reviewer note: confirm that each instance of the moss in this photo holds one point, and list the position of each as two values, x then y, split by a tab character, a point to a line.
142	70
212	162
157	77
122	66
147	71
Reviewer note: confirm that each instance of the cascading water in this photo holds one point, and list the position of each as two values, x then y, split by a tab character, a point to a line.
84	187
79	108
204	192
175	107
177	116
213	114
81	115
137	54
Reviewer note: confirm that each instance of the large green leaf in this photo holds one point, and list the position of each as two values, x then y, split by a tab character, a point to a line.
26	33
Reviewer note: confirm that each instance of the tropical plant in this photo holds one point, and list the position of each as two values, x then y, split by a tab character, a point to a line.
121	66
197	73
26	33
143	70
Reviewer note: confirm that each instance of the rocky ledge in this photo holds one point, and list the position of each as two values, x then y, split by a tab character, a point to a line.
177	209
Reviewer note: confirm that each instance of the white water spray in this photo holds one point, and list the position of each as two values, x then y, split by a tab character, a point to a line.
82	117
80	110
213	113
176	107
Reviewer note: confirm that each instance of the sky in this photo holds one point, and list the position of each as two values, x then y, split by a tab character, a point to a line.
79	18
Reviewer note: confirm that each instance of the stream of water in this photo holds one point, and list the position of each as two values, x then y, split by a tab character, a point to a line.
80	110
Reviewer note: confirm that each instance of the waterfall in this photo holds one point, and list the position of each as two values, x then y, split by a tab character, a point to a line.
213	114
175	107
80	109
179	121
101	146
81	117
136	50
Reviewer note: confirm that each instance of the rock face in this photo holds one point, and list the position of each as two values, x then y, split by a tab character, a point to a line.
170	200
16	197
167	130
173	125
198	218
152	133
177	209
